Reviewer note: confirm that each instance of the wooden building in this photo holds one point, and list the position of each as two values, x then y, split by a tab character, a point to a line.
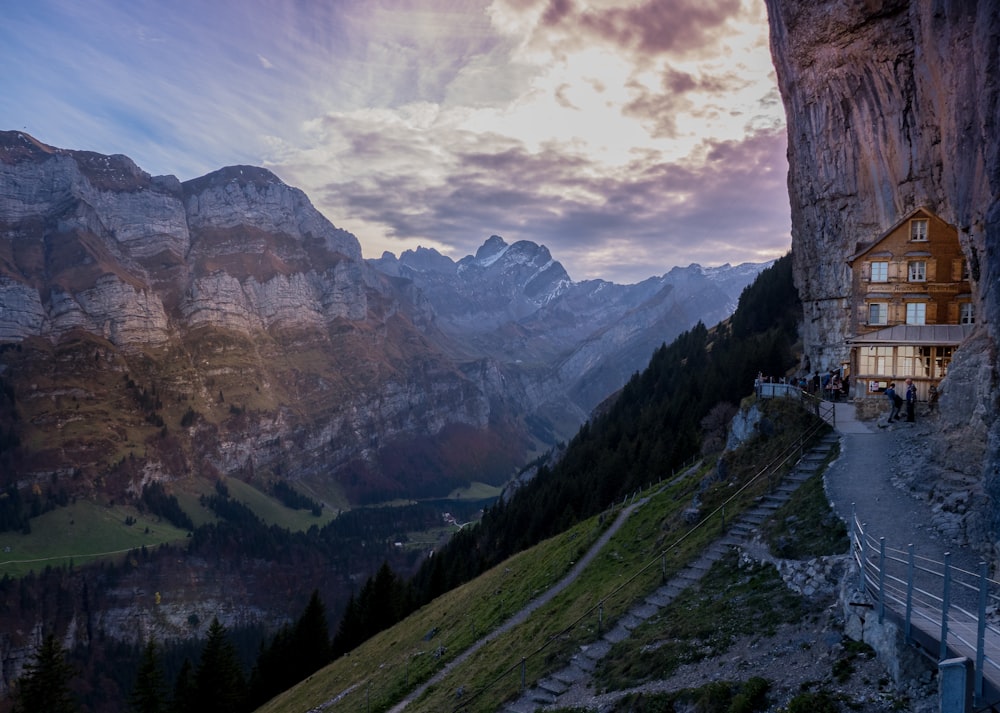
911	305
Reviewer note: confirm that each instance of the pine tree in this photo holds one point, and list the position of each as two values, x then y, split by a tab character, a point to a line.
219	683
184	692
311	638
45	683
149	692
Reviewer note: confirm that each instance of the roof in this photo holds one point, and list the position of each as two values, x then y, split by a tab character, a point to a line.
931	334
862	249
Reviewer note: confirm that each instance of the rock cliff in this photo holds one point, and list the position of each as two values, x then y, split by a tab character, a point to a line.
893	104
216	326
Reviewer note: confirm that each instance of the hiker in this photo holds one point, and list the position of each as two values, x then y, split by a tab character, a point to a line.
895	401
911	401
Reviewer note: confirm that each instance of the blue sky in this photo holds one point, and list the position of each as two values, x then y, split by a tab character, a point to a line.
628	137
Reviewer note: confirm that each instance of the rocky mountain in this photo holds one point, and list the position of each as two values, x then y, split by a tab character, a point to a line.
153	329
158	330
570	344
892	105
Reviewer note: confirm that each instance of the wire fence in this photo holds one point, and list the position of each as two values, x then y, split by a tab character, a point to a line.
766	476
946	610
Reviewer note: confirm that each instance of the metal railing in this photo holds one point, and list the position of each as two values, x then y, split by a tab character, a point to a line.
943	609
826	410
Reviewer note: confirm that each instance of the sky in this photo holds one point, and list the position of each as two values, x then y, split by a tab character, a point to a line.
628	137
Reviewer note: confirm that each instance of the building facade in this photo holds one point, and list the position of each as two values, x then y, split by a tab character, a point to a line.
911	305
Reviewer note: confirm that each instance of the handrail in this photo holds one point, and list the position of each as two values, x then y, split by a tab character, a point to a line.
943	612
767	471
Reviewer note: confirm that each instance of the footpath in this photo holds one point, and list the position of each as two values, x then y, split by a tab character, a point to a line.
862	481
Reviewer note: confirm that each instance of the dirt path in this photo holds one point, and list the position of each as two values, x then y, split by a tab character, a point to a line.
521	616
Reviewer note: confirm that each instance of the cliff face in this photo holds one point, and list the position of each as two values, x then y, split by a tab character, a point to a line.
894	104
222	325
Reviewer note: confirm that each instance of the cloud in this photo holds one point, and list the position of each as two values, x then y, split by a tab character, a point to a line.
611	132
625	225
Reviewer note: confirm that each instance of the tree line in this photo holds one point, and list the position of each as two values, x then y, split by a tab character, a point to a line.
215	683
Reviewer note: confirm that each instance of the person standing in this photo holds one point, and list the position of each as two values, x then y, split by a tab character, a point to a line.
894	401
911	401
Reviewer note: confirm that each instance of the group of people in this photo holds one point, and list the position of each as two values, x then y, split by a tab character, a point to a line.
830	386
896	401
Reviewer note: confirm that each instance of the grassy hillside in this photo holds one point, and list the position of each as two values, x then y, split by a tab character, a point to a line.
81	533
654	542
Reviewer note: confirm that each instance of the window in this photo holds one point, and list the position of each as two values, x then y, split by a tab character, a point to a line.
875	361
942	359
966	313
913	361
918	271
918	230
916	313
880	272
878	313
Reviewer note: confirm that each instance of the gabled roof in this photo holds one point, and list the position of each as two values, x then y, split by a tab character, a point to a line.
923	334
885	234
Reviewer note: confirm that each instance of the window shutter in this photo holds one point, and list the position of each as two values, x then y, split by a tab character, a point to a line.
952	313
930	317
956	270
931	269
893	270
866	271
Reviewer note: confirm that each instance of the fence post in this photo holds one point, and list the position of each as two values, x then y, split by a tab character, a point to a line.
881	580
861	558
944	606
981	637
909	594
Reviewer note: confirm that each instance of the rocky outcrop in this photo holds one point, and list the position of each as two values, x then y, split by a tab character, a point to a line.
892	105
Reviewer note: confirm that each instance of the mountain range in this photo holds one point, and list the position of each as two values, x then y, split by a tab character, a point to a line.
157	330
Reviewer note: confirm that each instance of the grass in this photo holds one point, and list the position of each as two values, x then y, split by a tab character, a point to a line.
475	491
654	543
82	532
274	512
731	601
379	672
806	526
88	530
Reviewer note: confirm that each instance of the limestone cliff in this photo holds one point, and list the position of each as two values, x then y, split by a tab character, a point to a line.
893	104
154	329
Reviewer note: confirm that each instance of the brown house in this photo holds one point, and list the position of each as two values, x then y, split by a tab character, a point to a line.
911	305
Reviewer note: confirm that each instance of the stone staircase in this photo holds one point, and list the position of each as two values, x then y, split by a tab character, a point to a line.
546	692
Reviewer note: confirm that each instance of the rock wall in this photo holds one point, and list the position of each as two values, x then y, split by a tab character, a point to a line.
891	105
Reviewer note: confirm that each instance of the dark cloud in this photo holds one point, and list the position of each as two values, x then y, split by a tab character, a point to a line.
653	27
730	207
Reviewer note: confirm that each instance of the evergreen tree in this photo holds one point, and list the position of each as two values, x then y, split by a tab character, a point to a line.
311	638
45	683
184	691
149	692
295	653
219	683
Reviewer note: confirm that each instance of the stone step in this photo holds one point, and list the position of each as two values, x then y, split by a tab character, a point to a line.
570	675
553	686
596	651
539	696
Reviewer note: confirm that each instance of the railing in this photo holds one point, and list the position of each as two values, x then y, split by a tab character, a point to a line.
826	410
943	609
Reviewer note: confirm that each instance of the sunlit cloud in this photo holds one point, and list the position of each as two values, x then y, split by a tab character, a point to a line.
627	138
